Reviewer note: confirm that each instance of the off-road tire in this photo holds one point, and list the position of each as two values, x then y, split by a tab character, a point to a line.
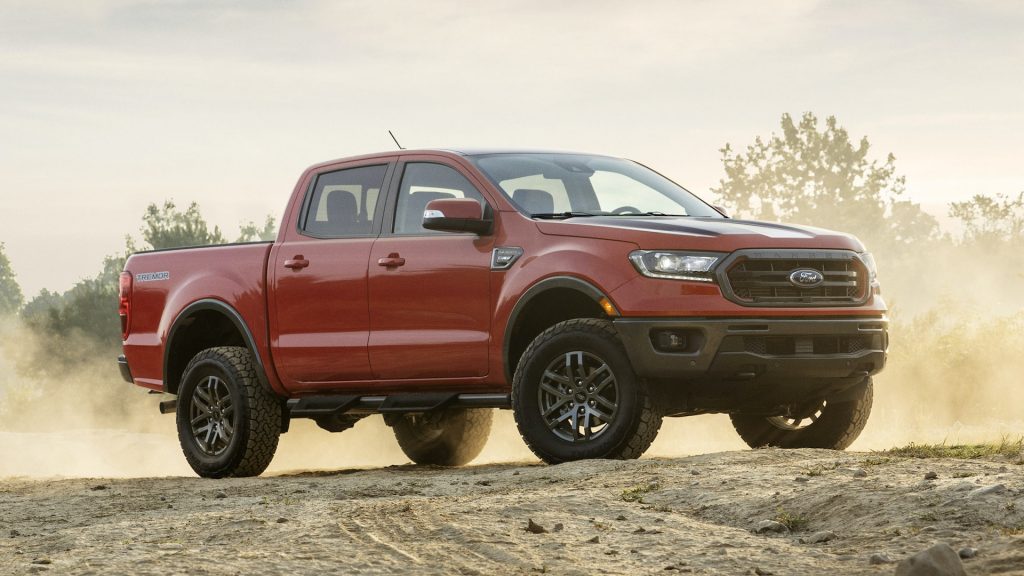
839	424
635	421
451	437
256	415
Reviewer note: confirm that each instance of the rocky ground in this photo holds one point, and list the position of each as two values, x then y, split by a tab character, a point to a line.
742	512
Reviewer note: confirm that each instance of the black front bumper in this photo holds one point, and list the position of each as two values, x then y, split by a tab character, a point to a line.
126	372
761	349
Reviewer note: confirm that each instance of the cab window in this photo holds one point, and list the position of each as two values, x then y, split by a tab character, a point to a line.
421	183
344	202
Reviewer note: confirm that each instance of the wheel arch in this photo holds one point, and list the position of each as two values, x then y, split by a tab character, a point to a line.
544	304
204	324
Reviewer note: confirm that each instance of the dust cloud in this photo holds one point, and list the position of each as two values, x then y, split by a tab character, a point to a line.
953	376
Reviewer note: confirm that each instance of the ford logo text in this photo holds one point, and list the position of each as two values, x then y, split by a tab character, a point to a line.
806	278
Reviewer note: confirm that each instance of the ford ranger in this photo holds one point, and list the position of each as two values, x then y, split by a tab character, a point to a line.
588	294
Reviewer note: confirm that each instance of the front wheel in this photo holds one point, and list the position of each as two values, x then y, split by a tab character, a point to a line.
575	395
451	437
228	423
828	424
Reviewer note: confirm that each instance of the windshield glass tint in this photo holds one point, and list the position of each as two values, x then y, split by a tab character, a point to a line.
600	185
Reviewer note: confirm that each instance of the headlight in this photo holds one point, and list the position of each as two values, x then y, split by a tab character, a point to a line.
869	263
676	265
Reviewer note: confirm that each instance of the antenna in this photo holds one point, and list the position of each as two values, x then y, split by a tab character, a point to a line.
396	141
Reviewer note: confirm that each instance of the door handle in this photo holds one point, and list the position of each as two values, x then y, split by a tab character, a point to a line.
296	263
392	260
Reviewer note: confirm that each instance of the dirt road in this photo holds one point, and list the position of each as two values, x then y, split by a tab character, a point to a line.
658	516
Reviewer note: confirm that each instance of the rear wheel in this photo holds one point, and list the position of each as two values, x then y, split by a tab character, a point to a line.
575	395
450	437
228	424
827	424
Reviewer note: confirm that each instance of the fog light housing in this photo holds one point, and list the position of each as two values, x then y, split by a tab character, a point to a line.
671	341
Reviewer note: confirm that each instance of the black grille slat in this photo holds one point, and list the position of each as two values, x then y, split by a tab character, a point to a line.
765	281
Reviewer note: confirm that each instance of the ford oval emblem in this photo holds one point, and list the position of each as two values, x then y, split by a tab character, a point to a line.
806	278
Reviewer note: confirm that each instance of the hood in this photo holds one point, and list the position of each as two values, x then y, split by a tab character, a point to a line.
691	233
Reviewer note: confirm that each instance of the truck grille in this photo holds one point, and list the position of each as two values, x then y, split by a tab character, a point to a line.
807	345
764	281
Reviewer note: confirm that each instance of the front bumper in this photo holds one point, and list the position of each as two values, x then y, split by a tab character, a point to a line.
762	349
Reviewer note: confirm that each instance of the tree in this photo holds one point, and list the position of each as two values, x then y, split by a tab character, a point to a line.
820	177
168	227
11	297
251	232
987	220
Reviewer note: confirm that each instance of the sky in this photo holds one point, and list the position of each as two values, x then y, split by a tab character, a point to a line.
107	106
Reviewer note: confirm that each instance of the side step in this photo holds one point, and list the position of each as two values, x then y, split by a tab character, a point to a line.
336	404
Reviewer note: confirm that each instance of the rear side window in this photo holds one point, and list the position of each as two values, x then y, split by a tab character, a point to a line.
344	203
423	182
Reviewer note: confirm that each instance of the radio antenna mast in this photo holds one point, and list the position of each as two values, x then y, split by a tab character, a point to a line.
396	141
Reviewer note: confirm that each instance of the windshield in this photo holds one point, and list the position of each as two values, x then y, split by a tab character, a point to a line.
568	185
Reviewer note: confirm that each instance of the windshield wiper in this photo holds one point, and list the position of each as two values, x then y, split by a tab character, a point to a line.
560	215
652	213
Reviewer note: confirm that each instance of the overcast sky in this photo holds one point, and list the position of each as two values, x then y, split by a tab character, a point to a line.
108	105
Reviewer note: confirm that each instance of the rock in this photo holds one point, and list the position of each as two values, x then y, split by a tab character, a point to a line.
516	473
620	517
44	561
823	536
931	476
695	472
15	533
220	495
594	540
770	526
860	473
282	520
762	572
534	528
967	552
879	558
483	482
98	487
802	479
987	490
939	560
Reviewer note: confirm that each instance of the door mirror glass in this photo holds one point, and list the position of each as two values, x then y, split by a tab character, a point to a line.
456	215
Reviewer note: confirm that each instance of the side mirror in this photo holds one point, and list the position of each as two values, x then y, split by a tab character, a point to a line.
456	215
722	211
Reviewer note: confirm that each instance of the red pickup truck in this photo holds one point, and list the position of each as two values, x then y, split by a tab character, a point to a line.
589	294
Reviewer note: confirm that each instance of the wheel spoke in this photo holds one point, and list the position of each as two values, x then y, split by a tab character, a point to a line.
604	383
588	430
595	373
557	378
203	392
554	423
561	402
552	390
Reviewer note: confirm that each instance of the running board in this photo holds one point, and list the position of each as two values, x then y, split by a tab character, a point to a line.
337	404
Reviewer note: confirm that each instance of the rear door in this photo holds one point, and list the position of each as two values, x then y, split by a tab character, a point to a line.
429	290
319	318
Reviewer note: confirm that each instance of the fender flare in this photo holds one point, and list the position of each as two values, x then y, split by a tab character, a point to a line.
532	292
234	317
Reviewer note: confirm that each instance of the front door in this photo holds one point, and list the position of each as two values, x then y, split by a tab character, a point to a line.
429	291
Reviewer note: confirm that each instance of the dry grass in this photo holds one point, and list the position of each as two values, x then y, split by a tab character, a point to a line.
1005	448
